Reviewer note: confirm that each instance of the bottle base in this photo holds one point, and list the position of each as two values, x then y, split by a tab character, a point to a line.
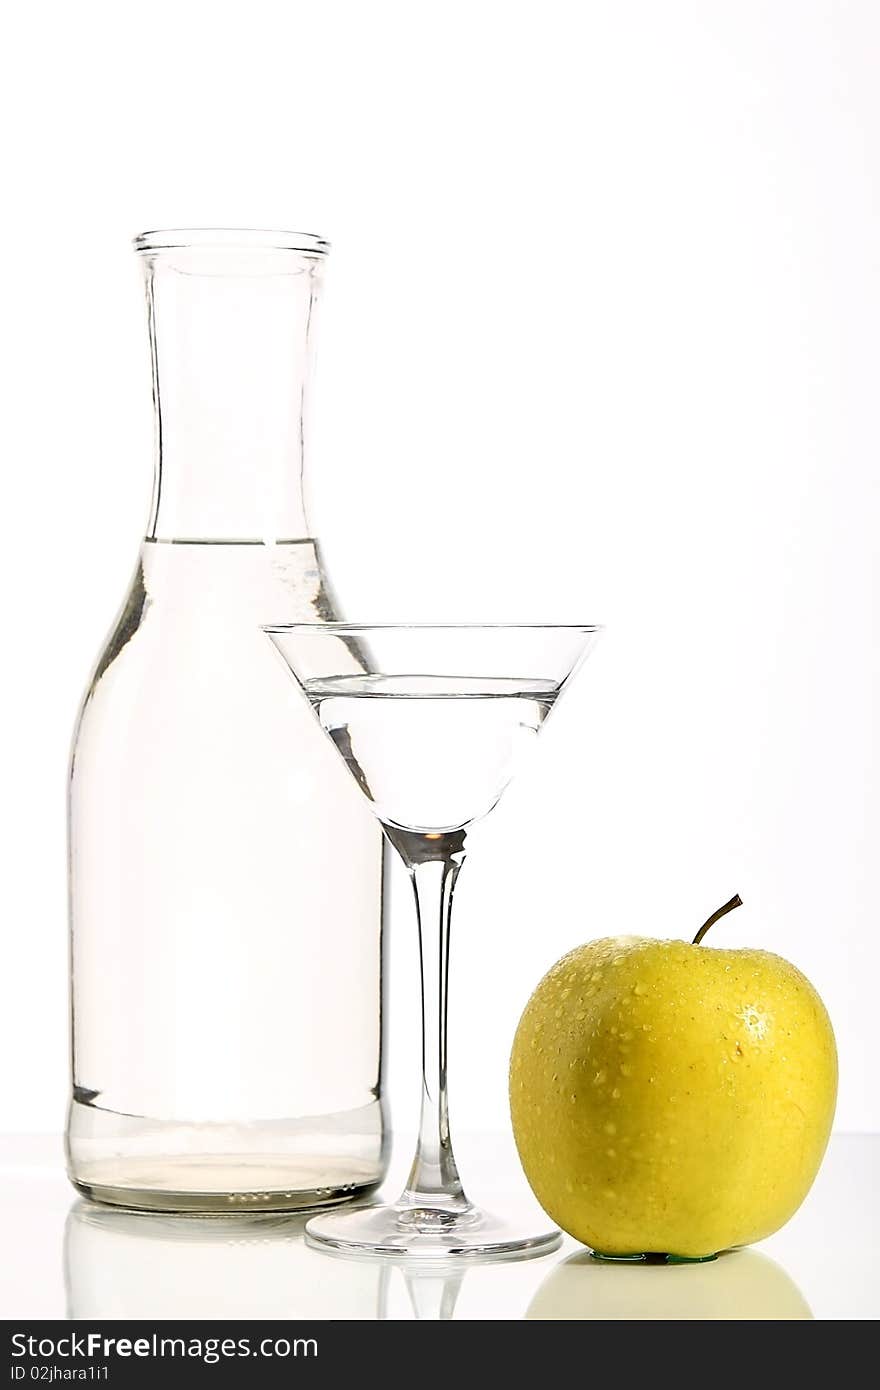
232	1201
142	1164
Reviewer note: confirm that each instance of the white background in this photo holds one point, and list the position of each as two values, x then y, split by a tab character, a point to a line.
600	342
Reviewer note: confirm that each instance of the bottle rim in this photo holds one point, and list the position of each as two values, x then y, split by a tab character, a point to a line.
230	239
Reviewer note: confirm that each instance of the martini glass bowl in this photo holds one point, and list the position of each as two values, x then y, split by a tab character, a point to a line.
430	721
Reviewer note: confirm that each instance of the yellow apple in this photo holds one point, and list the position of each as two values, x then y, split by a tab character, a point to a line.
672	1097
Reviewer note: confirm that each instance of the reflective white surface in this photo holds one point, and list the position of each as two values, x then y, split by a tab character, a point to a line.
65	1258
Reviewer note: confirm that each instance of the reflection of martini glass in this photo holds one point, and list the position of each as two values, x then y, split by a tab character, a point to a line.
432	1287
430	728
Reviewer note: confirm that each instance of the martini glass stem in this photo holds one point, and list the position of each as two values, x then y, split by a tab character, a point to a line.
434	1186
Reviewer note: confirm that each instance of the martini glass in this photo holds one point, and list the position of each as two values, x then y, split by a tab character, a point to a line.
430	721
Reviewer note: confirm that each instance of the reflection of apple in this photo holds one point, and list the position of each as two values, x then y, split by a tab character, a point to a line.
670	1097
741	1284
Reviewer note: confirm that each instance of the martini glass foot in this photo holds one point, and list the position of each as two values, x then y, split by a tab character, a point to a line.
430	1234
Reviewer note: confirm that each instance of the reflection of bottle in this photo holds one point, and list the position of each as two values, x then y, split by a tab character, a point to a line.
225	884
741	1284
123	1265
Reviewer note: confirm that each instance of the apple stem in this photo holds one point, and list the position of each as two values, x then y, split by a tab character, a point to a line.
735	901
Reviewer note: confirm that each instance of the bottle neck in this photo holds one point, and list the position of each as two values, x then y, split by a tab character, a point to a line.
230	335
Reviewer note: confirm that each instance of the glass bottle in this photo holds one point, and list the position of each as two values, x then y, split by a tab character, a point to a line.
225	886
